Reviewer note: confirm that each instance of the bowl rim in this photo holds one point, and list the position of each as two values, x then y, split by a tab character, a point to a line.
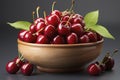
59	45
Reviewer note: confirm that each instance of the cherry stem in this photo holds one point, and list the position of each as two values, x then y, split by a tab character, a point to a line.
44	13
20	58
38	31
37	11
68	20
33	15
53	5
71	8
115	51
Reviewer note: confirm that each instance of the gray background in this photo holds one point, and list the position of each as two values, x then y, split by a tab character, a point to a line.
14	10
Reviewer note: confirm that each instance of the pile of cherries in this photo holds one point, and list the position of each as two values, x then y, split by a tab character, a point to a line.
17	64
58	27
106	65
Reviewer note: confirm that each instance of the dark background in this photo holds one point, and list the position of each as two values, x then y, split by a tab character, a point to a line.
14	10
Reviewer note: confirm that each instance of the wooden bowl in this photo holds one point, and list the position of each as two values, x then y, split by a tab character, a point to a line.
60	57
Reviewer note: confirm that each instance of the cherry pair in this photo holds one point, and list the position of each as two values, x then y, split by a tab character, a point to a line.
106	65
17	64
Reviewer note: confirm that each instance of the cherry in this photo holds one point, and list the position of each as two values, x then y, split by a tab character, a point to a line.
57	12
11	67
99	37
41	39
33	28
50	31
21	34
65	18
53	19
84	39
39	26
109	62
76	20
64	29
77	28
78	16
92	36
38	20
58	40
27	69
72	38
29	37
94	69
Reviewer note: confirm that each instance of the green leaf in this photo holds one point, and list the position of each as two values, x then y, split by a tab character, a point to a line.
20	25
91	18
102	31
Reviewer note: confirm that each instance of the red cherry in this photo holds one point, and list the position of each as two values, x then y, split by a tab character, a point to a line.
32	28
57	12
77	28
84	39
41	39
78	16
99	37
65	18
92	36
11	67
50	31
64	29
53	20
58	40
38	20
27	69
40	26
109	62
94	69
29	37
21	34
72	38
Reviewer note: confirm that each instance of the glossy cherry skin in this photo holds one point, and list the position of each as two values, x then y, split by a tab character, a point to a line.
94	69
77	28
53	19
72	38
21	34
58	40
39	20
33	28
65	18
92	36
50	31
78	16
40	27
63	29
84	39
29	37
41	39
11	67
57	12
27	69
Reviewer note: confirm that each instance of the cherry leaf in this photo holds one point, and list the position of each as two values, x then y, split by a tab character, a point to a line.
20	25
91	18
102	31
